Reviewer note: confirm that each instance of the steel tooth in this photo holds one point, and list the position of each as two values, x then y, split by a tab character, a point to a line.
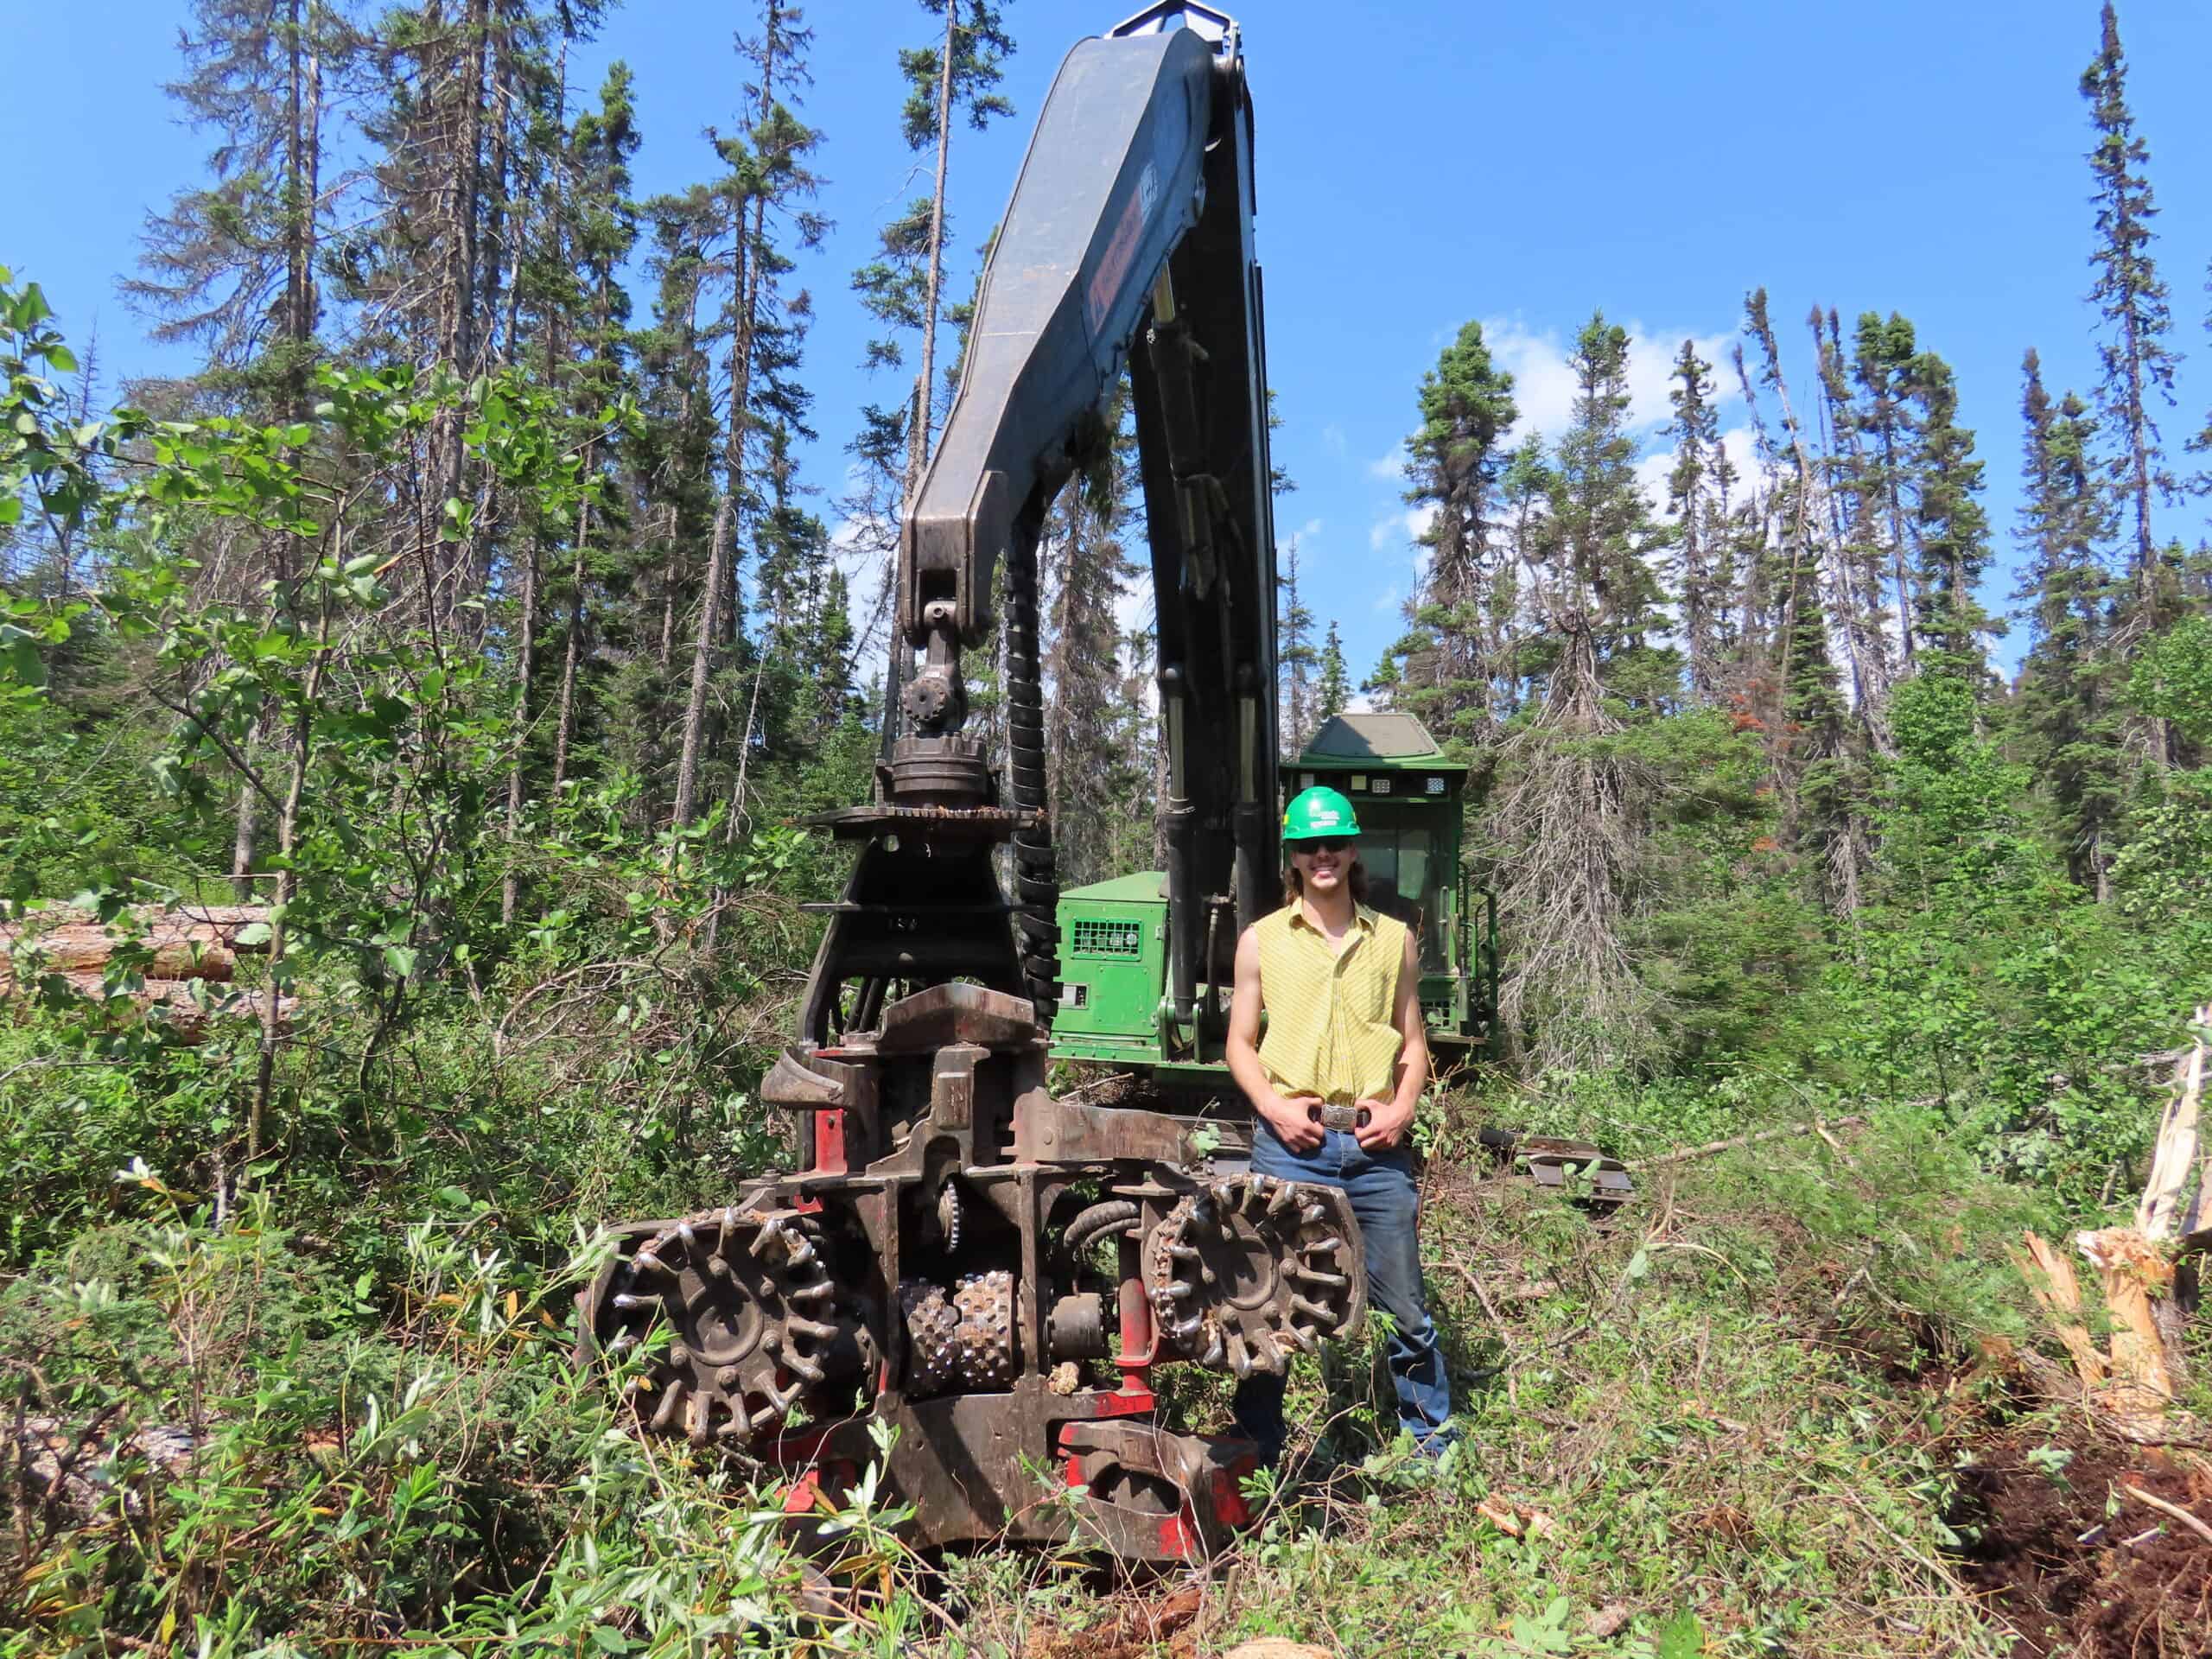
806	1327
1284	1196
622	1344
1183	1252
1305	1275
1223	1196
1313	1309
1266	1356
736	1429
763	1418
1212	1355
781	1398
1313	1212
771	1228
1305	1338
820	1290
729	1219
702	1418
1240	1358
671	1401
1255	1195
626	1303
715	1266
689	1235
797	1253
645	1265
804	1366
633	1387
1327	1243
1181	1290
1186	1330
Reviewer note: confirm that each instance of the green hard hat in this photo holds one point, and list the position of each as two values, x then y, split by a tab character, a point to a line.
1315	813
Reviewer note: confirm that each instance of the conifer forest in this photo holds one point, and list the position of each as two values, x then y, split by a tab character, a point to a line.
416	696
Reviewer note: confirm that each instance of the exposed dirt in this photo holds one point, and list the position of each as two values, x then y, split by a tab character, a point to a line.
1133	1628
2072	1562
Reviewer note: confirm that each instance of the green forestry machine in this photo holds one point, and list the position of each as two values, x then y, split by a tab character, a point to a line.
1115	1005
965	1282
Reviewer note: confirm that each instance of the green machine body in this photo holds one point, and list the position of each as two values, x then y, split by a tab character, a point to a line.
1410	799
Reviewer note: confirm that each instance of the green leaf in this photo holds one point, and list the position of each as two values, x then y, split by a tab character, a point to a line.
607	1639
1681	1636
59	359
400	959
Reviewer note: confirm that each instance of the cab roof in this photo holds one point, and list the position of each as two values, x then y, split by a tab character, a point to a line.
1371	741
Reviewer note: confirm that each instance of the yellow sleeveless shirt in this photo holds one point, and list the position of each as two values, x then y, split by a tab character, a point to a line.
1330	1030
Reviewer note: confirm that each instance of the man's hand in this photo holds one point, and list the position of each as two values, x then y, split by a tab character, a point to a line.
1387	1123
1288	1116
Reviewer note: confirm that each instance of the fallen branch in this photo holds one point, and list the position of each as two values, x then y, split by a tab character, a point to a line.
1685	1154
2174	1509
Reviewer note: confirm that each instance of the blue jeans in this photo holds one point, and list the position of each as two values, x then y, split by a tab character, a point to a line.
1387	1202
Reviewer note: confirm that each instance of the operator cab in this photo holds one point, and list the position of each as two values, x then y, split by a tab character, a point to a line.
1408	795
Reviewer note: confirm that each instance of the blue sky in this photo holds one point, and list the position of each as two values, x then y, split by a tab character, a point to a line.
1419	164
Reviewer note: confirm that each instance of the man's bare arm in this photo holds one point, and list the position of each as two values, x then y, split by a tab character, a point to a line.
1287	1115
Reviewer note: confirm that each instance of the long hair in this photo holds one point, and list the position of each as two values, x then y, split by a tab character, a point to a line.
1294	885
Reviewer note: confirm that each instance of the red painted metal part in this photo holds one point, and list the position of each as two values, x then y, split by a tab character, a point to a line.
829	1141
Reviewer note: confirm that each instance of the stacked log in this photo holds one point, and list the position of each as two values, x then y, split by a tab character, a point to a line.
188	942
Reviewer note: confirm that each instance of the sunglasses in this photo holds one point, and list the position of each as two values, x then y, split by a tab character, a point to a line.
1322	844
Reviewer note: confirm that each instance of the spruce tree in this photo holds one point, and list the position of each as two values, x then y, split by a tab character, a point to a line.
2130	299
1951	528
1333	688
1697	499
1605	532
2066	699
1882	359
1295	656
1453	461
231	265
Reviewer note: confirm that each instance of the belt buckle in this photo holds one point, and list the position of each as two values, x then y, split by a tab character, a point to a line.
1347	1118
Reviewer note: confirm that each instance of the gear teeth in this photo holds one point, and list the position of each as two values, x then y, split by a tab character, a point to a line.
819	1290
1240	1358
701	1419
671	1402
1299	1271
1305	1338
1313	1309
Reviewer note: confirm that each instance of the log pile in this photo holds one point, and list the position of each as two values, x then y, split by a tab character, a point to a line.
188	942
2146	1271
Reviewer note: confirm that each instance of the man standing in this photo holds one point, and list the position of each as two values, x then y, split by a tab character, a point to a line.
1340	983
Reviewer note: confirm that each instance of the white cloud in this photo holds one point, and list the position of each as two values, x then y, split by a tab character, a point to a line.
1332	439
1390	469
1387	600
1543	377
1402	529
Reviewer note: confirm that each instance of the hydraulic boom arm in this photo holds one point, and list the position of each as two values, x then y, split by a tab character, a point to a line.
1128	240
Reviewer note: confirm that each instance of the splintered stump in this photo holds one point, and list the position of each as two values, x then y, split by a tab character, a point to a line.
191	942
2131	1385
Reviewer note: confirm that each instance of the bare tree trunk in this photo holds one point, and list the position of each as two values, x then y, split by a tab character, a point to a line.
565	724
509	886
288	827
457	298
695	706
925	412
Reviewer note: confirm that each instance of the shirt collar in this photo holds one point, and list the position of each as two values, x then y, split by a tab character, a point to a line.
1362	919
